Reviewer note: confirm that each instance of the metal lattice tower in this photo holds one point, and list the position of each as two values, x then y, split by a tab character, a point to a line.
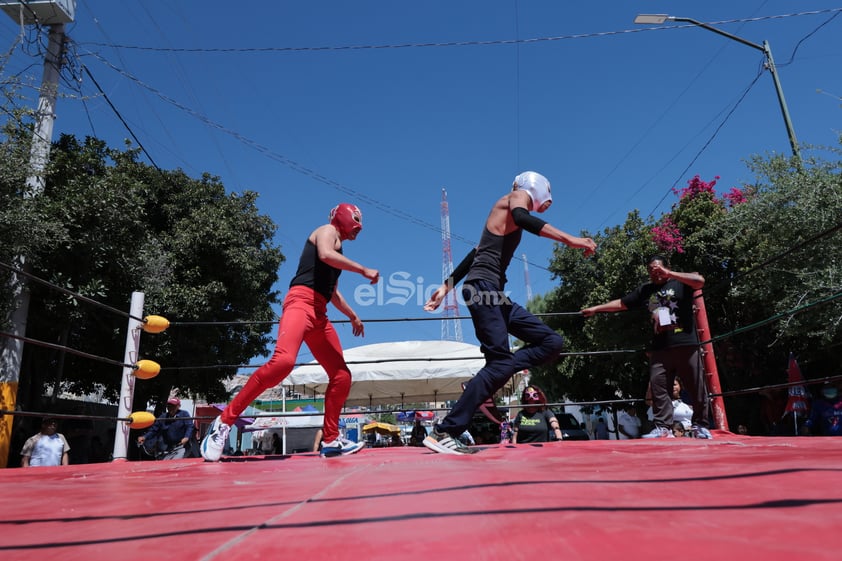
526	277
451	329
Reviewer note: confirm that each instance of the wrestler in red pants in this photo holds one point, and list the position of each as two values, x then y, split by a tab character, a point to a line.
304	320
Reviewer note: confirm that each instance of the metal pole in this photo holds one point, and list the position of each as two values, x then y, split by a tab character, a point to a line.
124	407
46	114
11	353
284	421
770	63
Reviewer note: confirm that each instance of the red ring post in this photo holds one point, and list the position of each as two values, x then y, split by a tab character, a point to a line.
717	404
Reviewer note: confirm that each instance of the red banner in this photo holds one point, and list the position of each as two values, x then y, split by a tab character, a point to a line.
799	399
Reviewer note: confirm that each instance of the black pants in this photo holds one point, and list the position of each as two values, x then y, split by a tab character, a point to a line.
686	364
495	317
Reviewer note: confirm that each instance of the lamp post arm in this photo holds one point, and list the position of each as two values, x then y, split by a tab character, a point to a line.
720	32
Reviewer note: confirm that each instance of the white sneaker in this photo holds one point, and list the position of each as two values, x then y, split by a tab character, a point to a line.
340	447
659	432
215	441
443	443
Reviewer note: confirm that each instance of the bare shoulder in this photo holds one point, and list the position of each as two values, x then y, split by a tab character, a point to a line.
500	219
518	198
326	234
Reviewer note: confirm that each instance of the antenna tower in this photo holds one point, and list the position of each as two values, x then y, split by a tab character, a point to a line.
526	278
451	329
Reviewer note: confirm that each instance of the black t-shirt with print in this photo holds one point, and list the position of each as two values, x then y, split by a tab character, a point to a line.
670	307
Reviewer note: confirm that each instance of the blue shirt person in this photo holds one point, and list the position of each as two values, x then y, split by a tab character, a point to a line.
826	415
170	434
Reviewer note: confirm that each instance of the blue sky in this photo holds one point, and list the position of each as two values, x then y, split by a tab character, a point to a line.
385	103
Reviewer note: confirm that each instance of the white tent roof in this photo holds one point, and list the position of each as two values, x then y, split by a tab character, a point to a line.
289	421
400	372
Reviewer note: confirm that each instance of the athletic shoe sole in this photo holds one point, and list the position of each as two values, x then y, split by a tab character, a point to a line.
334	452
434	445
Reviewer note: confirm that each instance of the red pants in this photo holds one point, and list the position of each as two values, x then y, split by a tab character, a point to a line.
303	320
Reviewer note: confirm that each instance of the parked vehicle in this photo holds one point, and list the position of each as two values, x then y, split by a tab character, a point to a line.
571	429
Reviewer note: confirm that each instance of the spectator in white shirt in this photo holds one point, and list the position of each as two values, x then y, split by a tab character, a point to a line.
47	448
681	412
628	423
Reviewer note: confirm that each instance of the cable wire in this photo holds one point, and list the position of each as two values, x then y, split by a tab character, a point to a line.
68	292
800	245
706	144
122	120
63	348
448	43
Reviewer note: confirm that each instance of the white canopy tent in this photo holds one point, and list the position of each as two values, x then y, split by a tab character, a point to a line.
399	372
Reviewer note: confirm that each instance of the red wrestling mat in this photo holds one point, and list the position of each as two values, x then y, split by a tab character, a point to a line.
729	498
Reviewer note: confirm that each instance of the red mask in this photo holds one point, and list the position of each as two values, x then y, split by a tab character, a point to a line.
348	219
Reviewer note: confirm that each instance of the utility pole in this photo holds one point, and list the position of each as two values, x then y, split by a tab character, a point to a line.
54	13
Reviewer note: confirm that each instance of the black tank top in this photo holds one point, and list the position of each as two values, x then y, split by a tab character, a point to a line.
494	253
315	273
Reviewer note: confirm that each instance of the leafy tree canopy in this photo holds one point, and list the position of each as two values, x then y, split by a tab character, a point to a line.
108	225
766	250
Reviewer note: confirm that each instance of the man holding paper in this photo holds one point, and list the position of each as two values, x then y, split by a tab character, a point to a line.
675	350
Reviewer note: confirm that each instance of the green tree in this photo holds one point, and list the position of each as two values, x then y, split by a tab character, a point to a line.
117	226
783	252
764	249
22	230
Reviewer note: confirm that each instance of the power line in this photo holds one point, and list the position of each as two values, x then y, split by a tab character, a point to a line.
834	11
292	164
654	123
800	245
122	120
63	290
312	173
706	144
515	41
813	32
64	348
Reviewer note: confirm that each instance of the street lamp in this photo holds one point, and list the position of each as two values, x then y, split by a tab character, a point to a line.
658	19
